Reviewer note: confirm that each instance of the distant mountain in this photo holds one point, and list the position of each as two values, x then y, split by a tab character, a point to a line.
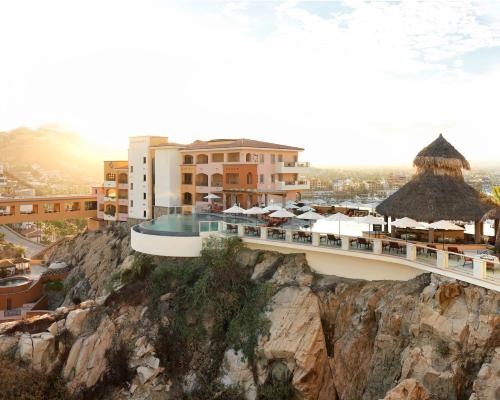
52	148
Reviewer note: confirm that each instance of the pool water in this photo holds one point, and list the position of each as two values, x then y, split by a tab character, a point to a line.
12	282
188	225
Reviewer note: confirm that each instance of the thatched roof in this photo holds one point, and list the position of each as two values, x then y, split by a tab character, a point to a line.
441	156
430	197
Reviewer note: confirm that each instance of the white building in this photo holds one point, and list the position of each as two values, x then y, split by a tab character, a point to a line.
141	175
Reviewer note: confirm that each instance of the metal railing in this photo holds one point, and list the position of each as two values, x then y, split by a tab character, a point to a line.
479	266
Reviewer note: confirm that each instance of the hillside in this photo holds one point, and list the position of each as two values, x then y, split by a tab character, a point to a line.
50	148
239	324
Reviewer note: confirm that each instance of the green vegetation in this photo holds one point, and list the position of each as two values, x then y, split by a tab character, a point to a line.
55	230
22	383
54	286
276	391
214	302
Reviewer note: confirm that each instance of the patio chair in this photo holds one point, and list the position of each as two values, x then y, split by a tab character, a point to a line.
363	242
396	247
431	250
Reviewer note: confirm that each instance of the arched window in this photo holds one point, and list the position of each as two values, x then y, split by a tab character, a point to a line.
248	157
201	179
216	180
188	159
249	178
187	199
201	159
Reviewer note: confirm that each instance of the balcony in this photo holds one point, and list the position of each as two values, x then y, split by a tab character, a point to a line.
109	184
109	217
109	199
292	167
296	185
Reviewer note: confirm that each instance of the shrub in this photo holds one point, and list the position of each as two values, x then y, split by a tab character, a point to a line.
21	383
215	302
276	391
142	265
54	286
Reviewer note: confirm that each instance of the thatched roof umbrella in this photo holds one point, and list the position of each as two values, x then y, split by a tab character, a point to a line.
438	190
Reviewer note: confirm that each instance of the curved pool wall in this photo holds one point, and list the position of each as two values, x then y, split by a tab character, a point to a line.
176	235
14	284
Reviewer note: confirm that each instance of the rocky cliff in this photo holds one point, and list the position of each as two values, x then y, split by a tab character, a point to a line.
243	324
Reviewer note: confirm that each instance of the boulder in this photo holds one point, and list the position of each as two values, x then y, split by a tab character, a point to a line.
39	350
75	320
237	372
86	362
293	270
146	373
408	389
267	266
296	338
8	344
487	383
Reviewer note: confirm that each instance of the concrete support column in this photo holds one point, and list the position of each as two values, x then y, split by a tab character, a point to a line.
411	251
431	235
377	246
266	199
386	226
283	201
345	242
315	239
479	268
263	233
241	230
442	259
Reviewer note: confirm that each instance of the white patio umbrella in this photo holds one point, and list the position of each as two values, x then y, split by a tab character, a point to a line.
292	207
371	220
306	208
319	202
282	214
406	223
310	216
305	201
234	210
272	207
211	196
445	226
339	217
254	211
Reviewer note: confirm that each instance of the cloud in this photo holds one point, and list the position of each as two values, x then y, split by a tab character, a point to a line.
372	77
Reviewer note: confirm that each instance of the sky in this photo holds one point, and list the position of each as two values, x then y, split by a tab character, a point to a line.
353	82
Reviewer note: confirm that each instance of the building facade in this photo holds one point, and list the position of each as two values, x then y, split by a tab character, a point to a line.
113	196
167	177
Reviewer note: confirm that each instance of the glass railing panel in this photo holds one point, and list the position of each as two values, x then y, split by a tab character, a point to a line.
330	240
276	234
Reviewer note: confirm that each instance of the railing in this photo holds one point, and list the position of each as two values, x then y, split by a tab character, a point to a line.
292	164
478	266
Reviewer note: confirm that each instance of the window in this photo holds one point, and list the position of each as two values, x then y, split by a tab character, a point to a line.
144	196
280	157
249	178
218	157
144	160
201	159
131	185
131	203
233	157
273	158
131	168
188	159
261	158
187	179
144	177
232	179
273	178
144	213
110	177
261	178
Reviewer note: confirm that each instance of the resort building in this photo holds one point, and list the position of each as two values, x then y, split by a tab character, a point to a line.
112	197
167	177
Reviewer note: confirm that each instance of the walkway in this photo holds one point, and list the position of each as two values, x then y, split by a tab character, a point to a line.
13	237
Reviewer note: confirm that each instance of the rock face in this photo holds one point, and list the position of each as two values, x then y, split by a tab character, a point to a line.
332	338
94	256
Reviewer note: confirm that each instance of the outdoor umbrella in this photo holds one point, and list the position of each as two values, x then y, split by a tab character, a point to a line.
254	211
292	207
319	202
406	223
445	226
234	210
371	220
339	217
306	208
272	207
282	214
211	196
310	216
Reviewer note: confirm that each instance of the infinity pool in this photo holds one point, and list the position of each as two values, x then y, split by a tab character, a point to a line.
187	225
12	282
